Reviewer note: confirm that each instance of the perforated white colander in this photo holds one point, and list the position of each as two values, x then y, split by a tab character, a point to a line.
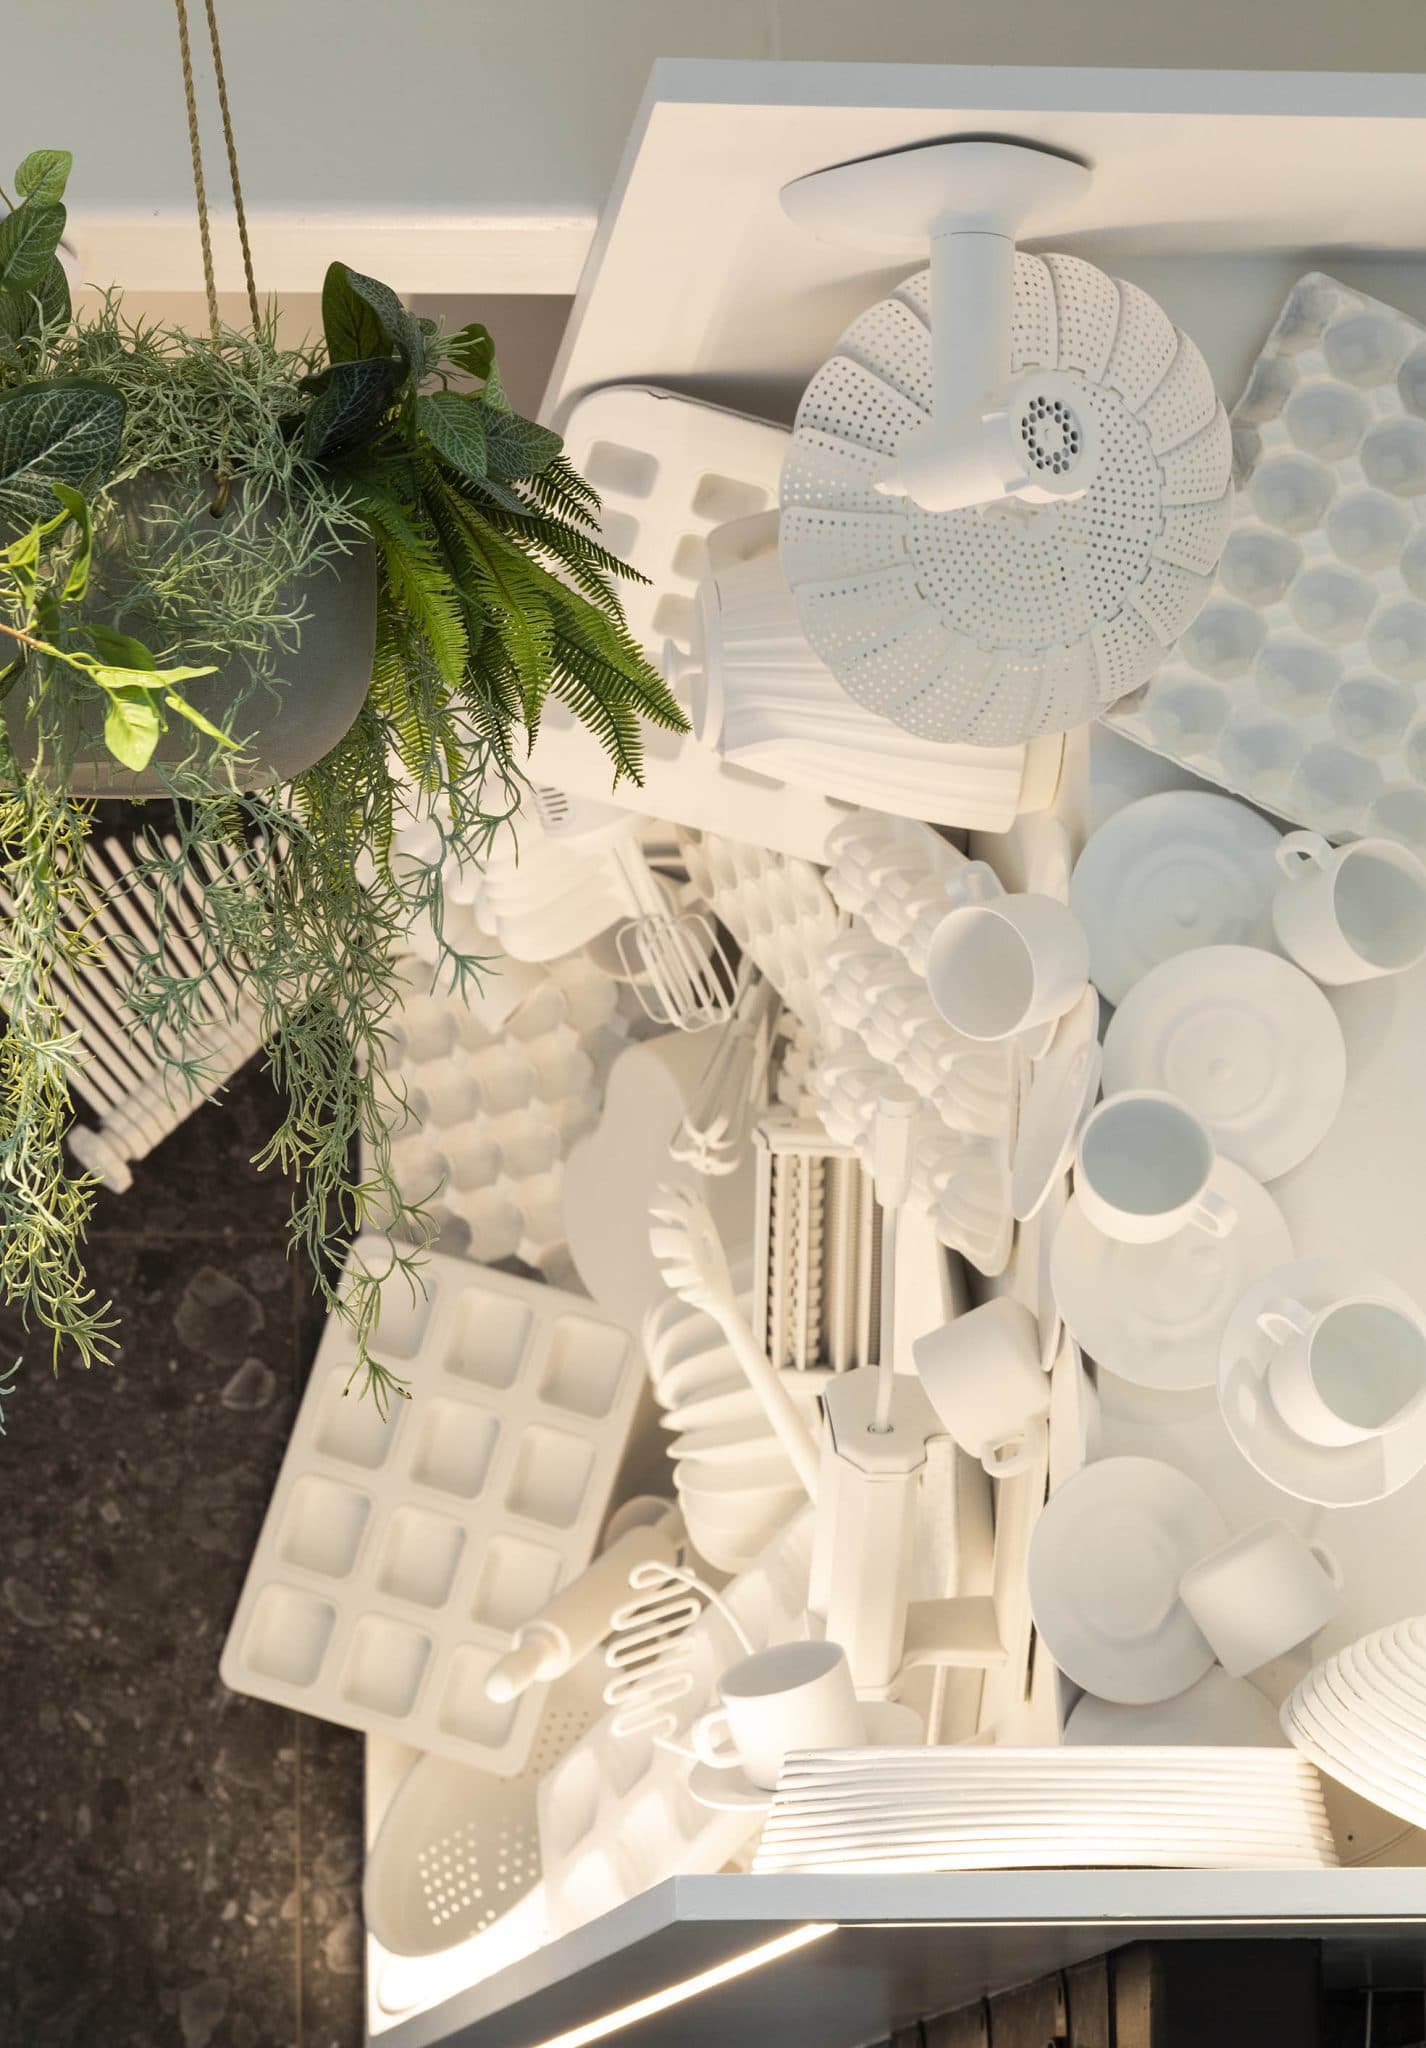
999	622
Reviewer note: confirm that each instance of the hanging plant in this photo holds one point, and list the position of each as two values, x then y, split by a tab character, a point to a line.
303	594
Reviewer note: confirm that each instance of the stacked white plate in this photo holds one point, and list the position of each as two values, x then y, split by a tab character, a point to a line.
1021	1809
1360	1716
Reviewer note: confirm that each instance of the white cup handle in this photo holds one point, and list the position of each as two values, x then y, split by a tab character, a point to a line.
1288	1320
705	1734
1013	1453
1298	851
976	882
1213	1214
1328	1563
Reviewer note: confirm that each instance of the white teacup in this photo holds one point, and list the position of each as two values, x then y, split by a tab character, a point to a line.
1353	1370
1260	1594
1142	1169
794	1696
983	1376
1350	913
1016	964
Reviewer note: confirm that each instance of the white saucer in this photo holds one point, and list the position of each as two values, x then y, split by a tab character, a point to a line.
1168	875
1154	1314
1246	1040
726	1791
1338	1476
1218	1711
889	1725
1105	1561
1063	1084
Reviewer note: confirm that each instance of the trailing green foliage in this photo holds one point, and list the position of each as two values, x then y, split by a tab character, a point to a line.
494	591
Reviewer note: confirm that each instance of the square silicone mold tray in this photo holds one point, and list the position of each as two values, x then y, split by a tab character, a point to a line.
616	1814
1302	682
398	1555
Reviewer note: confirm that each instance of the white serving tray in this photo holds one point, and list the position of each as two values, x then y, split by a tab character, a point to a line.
397	1556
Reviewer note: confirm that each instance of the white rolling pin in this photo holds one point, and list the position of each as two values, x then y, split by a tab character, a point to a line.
579	1615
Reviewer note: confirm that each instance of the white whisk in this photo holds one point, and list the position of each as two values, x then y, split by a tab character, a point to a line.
650	1651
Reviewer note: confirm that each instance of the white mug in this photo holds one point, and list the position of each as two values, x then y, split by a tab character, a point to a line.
983	1376
1143	1167
1260	1594
1016	964
1351	1371
794	1696
1349	913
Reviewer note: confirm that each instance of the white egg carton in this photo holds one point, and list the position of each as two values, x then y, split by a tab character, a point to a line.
616	1815
1301	685
493	1112
777	908
668	470
397	1555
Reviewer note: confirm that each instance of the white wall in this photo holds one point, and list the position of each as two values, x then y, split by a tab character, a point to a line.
494	127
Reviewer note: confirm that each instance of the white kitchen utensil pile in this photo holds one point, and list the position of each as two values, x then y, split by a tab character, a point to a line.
399	1552
1361	1717
1019	1809
1302	681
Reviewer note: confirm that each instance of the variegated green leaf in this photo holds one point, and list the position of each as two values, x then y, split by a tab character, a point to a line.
63	432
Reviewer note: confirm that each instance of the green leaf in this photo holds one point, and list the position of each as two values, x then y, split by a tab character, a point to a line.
350	410
120	650
353	329
402	329
118	680
66	431
44	174
132	726
55	304
455	427
28	239
472	350
195	717
76	506
518	447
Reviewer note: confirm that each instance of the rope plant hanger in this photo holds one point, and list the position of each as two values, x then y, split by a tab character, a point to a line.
404	569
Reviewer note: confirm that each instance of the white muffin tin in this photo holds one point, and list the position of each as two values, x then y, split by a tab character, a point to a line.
1302	682
616	1814
398	1554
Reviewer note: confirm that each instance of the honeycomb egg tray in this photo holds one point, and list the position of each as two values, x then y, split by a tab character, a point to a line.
1301	685
616	1815
398	1554
493	1111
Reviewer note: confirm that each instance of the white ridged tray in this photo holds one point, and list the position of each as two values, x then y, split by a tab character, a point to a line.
397	1556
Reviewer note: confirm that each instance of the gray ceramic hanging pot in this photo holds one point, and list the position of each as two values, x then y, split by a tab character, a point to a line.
309	705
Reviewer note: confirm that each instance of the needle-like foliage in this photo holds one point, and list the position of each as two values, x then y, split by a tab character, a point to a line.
494	591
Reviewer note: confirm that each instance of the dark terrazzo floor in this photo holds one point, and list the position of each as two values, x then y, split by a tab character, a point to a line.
180	1867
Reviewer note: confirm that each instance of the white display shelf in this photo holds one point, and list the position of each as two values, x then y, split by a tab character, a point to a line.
902	1947
1214	191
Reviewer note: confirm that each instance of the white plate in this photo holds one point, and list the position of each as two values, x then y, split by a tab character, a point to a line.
1063	1084
1246	1040
1168	875
1218	1709
1154	1314
1339	1476
1105	1560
